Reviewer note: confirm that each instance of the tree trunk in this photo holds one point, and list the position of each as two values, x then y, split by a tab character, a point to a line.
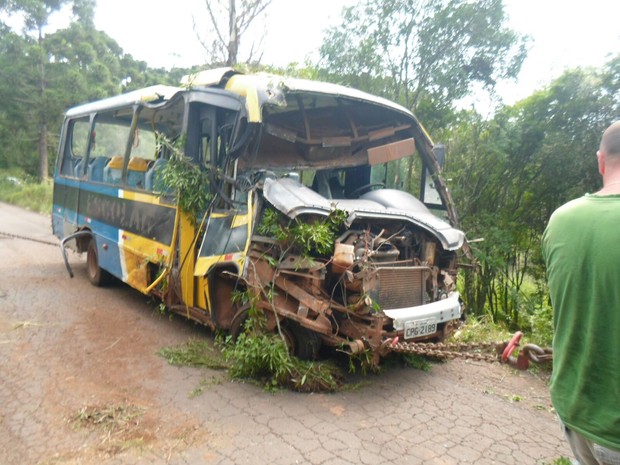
43	156
233	41
43	159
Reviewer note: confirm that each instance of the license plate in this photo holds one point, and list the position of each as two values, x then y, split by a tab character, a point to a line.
418	328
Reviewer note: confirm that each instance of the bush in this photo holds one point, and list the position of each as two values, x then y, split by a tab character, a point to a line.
481	329
265	357
541	323
18	189
258	356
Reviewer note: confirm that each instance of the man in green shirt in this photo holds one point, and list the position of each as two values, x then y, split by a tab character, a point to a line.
581	248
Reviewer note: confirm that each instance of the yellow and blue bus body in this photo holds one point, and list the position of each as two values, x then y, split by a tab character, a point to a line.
269	146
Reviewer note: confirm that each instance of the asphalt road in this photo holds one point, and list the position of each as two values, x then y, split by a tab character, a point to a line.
81	383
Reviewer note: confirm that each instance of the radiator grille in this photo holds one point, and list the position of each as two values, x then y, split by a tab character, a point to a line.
401	287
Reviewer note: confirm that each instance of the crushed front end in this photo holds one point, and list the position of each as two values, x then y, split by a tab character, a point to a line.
365	272
324	231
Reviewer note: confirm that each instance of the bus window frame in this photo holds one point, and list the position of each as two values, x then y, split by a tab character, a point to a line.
67	144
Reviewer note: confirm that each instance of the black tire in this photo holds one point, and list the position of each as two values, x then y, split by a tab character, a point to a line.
96	275
237	324
301	342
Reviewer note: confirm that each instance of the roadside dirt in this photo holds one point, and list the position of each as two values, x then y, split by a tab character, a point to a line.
81	383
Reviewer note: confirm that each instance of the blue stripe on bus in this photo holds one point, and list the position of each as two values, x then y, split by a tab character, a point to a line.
98	202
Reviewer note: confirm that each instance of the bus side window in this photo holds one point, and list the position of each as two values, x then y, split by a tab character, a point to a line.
107	148
76	145
143	153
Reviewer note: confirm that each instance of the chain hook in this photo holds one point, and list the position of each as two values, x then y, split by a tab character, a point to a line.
512	345
537	354
529	353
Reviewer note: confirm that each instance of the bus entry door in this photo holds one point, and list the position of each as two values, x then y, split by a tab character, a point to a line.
225	242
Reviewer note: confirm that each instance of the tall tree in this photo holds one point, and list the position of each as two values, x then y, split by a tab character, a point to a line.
36	16
42	74
510	173
423	52
15	134
229	20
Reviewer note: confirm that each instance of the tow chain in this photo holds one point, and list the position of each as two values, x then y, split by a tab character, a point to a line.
449	350
26	238
474	351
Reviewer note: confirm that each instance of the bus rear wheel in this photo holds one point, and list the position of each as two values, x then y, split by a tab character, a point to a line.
96	275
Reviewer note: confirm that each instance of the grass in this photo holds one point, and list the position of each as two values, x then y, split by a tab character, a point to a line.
110	418
560	461
263	358
480	329
195	353
483	330
24	192
120	425
203	386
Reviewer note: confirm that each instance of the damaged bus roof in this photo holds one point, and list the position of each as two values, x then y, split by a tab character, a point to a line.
263	88
152	94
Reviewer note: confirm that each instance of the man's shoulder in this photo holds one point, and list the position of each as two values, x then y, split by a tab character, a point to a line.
565	219
571	206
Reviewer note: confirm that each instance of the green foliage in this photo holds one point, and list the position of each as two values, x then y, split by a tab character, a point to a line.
24	191
511	172
271	226
257	355
195	352
317	237
481	329
484	330
541	324
311	238
418	362
41	75
265	357
560	461
186	179
416	51
362	362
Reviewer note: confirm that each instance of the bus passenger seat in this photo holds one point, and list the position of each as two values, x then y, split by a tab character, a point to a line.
153	176
96	167
136	171
113	171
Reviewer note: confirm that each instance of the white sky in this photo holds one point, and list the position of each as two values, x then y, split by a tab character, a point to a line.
165	35
565	33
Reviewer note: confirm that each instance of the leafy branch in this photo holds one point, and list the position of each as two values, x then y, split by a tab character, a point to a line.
185	178
316	237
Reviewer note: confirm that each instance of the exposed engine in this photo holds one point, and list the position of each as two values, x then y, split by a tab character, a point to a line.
391	268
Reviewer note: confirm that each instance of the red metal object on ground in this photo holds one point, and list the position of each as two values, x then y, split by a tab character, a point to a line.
512	345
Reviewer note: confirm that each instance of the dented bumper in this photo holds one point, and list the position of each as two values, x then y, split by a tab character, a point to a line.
419	320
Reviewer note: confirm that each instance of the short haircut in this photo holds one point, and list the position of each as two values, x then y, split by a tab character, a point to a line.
610	143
